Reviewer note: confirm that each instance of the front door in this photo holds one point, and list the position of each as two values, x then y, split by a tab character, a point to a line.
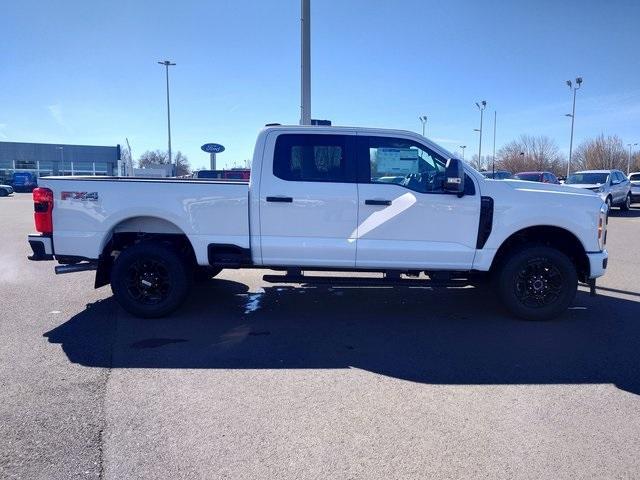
308	201
405	218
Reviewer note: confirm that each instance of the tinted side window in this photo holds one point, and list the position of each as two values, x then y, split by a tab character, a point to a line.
313	158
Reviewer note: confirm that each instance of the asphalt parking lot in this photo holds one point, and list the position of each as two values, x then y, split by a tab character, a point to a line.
253	380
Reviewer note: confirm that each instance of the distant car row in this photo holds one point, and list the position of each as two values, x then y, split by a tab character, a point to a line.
613	186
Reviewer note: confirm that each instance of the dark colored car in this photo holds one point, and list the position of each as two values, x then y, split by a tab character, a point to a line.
24	181
5	190
498	174
542	177
239	174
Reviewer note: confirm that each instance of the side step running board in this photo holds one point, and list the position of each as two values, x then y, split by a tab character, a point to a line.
76	267
365	281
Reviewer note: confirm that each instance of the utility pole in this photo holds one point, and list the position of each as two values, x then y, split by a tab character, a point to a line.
573	117
168	64
495	117
463	147
629	159
481	106
423	119
305	63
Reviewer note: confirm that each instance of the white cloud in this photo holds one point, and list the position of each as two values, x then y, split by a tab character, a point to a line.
55	110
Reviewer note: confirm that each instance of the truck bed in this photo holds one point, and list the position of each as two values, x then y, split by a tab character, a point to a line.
88	210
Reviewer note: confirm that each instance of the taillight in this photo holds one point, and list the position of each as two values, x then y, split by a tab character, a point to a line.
42	207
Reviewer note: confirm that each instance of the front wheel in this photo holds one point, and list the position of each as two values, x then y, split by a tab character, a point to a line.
537	283
150	279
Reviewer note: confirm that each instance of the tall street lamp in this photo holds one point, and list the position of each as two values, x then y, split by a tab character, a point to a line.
463	147
629	158
481	106
168	64
423	119
575	88
495	118
61	158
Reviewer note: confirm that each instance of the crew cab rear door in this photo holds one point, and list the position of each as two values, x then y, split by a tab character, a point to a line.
309	200
405	218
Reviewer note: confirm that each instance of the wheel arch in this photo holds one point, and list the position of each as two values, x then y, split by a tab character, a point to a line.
550	235
135	229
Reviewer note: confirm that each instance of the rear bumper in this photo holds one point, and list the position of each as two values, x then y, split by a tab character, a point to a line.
42	247
597	263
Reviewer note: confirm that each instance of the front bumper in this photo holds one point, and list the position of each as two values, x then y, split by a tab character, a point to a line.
597	263
42	247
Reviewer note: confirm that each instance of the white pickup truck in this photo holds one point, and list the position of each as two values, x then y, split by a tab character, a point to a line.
343	199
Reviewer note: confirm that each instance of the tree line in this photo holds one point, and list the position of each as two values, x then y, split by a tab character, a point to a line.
541	153
150	158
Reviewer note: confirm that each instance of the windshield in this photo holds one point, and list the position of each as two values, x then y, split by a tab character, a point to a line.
634	177
588	178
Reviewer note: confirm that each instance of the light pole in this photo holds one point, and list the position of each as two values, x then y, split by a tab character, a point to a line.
629	159
481	106
573	117
168	64
61	157
495	118
423	119
463	147
305	62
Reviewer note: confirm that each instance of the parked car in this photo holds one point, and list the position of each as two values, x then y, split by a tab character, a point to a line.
5	190
314	203
240	174
543	177
24	181
612	185
634	178
498	174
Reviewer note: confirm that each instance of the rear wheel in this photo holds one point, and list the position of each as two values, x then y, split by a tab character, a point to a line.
626	205
150	279
537	283
4	193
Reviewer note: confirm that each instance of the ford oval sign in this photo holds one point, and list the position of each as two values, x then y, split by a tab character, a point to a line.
212	148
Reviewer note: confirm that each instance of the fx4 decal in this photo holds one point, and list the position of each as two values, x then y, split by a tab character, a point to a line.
83	196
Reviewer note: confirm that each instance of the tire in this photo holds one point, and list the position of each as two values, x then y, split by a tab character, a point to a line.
3	192
150	279
626	205
537	283
609	203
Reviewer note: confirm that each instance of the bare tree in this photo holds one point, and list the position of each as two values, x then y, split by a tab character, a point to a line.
530	153
479	165
161	157
601	153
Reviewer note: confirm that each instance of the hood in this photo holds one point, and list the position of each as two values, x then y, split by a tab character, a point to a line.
525	186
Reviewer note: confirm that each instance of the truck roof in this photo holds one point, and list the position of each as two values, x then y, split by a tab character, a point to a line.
337	129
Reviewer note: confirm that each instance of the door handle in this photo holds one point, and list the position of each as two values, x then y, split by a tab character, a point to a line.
280	199
378	202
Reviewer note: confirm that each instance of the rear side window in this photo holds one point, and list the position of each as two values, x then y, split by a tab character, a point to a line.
314	158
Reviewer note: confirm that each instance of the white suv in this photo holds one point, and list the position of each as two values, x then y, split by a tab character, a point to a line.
634	178
612	185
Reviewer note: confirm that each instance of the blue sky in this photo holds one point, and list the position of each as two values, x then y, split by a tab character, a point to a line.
85	71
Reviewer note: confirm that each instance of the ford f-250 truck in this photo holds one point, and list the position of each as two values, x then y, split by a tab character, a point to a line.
328	199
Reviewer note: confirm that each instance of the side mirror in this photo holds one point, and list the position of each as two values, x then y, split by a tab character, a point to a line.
454	177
